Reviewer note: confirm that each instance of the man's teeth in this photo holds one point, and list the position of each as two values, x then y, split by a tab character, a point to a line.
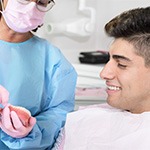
113	88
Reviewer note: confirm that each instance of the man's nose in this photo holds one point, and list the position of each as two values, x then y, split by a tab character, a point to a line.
108	71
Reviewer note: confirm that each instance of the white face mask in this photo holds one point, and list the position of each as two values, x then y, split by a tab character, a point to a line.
22	18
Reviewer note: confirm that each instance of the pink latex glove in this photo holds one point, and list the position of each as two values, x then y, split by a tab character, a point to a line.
4	95
11	124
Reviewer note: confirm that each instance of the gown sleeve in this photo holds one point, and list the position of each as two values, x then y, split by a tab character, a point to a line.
59	93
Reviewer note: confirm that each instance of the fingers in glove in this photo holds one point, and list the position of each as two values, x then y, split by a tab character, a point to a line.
6	119
32	121
17	124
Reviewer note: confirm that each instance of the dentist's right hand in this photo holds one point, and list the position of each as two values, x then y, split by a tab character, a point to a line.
12	125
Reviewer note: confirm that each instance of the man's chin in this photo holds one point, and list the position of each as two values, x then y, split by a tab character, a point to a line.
112	102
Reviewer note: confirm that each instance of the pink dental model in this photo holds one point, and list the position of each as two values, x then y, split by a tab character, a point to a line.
23	114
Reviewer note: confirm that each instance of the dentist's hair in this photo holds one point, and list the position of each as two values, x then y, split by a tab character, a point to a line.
133	26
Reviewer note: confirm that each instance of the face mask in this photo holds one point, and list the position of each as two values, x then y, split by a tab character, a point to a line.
22	18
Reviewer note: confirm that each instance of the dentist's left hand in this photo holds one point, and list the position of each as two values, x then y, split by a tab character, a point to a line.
11	124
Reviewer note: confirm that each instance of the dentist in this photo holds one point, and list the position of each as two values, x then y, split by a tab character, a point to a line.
37	76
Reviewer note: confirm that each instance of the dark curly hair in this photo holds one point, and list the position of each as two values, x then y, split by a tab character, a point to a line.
134	26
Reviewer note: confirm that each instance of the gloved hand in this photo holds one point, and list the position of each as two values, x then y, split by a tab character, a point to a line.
11	124
4	95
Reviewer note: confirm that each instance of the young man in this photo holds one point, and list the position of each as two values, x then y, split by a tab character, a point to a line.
123	123
127	74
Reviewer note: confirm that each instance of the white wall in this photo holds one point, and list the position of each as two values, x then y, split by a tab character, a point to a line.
105	10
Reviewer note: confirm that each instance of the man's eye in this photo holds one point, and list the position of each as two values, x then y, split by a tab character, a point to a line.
122	66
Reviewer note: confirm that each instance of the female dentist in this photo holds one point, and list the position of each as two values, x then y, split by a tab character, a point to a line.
37	76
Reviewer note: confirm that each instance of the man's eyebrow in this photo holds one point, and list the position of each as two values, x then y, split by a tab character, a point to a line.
121	57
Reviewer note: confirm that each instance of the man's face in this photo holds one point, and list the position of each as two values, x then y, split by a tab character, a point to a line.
127	78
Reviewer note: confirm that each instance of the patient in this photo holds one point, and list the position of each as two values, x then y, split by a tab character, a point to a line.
124	122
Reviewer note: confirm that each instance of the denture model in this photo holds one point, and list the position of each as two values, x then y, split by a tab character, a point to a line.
23	114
